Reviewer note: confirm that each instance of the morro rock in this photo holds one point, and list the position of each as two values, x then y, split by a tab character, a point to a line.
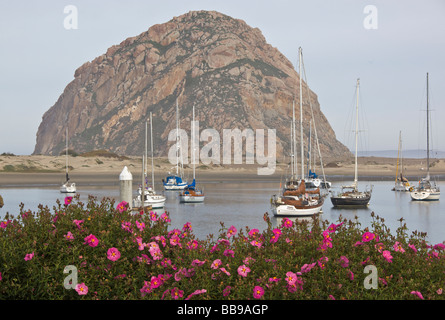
225	68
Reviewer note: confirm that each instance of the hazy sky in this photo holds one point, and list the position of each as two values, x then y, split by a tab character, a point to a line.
38	57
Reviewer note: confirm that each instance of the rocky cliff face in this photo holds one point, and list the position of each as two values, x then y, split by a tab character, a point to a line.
225	68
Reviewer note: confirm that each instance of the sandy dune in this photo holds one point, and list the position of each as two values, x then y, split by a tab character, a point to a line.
47	170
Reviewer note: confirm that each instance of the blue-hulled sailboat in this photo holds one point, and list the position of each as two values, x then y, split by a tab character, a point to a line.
175	181
192	194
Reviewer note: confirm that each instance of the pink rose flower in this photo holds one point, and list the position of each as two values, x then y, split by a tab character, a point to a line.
243	270
291	278
140	225
176	293
29	256
258	292
91	240
122	206
387	255
81	289
231	232
368	236
253	232
398	247
287	223
322	262
113	254
216	263
69	236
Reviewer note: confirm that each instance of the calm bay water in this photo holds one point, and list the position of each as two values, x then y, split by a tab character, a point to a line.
244	203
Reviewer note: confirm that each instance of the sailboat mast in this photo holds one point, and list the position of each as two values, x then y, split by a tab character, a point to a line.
356	135
143	184
66	154
401	156
292	149
398	156
177	138
427	130
294	143
146	152
152	165
309	149
301	116
193	142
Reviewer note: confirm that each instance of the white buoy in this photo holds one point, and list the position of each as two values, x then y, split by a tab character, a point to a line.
126	186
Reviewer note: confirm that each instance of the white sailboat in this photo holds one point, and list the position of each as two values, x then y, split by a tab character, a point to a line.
295	199
192	194
67	186
426	190
150	197
175	181
350	196
312	178
401	183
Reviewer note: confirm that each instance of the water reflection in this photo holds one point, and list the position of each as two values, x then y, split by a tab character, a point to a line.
244	204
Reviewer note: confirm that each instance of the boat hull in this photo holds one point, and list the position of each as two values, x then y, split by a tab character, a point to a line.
281	207
402	187
191	199
68	188
425	195
290	210
344	201
148	203
175	186
155	201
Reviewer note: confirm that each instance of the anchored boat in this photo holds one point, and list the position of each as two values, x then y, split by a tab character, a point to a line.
401	183
175	181
67	187
192	194
148	197
426	190
350	196
295	199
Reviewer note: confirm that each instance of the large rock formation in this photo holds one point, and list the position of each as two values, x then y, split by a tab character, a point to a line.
225	68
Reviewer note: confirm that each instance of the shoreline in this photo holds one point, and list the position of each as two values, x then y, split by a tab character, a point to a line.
35	180
47	171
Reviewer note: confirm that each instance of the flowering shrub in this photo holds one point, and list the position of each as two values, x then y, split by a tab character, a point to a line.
123	255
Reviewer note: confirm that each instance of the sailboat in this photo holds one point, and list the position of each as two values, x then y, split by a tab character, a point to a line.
175	181
192	194
312	178
67	187
426	190
350	196
401	183
150	197
295	199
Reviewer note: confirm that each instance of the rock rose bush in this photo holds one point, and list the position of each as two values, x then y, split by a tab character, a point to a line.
119	254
